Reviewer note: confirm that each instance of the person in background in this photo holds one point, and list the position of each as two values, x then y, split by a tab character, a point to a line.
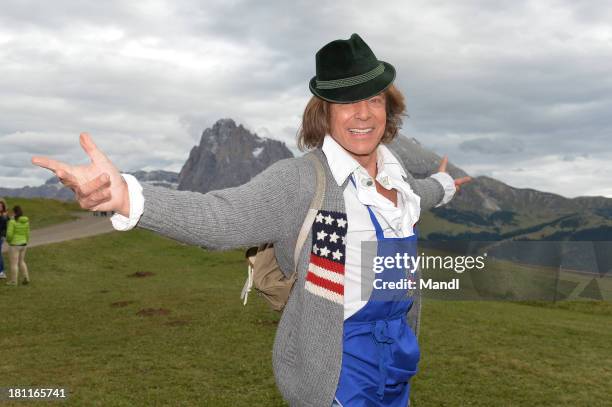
17	236
3	224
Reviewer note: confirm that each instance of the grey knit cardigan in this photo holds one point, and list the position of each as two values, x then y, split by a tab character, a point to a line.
307	350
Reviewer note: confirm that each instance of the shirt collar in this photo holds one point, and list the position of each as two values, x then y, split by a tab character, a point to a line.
387	161
342	164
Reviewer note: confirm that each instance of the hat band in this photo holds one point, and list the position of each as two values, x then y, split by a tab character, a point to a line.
353	80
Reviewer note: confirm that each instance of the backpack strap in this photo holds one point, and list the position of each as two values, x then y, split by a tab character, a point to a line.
315	205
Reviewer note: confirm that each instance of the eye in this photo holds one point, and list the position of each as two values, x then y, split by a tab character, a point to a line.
377	100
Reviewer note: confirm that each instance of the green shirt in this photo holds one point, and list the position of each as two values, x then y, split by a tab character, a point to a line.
18	231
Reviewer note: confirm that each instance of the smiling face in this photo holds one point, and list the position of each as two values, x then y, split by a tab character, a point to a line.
358	127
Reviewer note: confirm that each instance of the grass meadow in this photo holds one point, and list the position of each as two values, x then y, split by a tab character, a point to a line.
133	319
44	212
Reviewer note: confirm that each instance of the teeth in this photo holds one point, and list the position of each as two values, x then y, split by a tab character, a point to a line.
361	131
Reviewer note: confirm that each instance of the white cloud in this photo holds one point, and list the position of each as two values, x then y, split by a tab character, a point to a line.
145	78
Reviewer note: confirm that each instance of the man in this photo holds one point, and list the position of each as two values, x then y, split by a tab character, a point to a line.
354	112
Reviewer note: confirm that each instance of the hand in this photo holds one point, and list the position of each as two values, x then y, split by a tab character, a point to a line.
458	181
98	186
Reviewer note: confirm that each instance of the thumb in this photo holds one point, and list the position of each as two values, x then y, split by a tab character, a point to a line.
443	164
94	153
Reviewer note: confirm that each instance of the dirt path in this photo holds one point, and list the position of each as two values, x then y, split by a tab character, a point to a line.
86	225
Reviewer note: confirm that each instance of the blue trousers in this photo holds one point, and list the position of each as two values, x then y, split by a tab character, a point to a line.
1	258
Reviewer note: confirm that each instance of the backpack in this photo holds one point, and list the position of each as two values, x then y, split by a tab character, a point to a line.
263	271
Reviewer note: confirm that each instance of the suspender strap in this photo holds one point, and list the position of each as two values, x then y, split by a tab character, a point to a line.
315	206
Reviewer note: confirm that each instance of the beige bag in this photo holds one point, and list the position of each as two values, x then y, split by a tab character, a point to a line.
263	271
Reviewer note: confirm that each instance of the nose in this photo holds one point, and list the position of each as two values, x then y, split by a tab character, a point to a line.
362	110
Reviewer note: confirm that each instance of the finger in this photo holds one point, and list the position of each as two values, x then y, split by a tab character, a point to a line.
67	179
462	180
96	198
101	181
102	207
90	148
443	164
49	164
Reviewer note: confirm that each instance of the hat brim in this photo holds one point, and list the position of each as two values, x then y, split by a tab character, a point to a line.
355	93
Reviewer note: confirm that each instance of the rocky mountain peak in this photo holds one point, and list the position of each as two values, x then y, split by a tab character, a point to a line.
224	125
228	155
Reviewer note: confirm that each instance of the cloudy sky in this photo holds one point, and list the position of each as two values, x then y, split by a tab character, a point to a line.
521	92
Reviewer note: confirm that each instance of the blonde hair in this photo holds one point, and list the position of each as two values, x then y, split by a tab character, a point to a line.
315	120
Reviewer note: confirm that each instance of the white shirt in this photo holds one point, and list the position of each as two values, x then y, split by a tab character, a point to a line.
395	221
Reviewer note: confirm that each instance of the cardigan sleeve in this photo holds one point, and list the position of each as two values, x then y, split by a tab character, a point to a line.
248	215
429	189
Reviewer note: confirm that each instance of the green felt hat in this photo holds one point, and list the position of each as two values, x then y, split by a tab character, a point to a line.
348	71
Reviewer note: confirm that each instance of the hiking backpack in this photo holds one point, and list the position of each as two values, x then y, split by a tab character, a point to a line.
263	271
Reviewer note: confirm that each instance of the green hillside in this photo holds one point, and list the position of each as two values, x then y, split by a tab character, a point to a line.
44	212
450	224
132	319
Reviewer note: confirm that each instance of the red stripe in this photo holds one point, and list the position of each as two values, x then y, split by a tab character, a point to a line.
327	264
325	283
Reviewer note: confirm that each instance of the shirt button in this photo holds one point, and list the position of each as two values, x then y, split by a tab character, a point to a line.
367	182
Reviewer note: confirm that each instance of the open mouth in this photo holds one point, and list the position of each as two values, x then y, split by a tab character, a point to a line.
361	131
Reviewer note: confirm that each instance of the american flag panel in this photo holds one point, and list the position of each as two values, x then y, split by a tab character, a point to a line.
325	276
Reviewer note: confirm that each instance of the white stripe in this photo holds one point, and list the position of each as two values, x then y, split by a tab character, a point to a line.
324	292
326	274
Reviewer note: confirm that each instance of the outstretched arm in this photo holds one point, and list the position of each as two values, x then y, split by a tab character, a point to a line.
248	215
251	214
439	188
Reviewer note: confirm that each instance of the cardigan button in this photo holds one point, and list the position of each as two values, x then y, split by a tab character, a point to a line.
367	182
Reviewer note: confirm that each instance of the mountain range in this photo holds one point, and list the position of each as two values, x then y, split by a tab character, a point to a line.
229	155
53	189
488	209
